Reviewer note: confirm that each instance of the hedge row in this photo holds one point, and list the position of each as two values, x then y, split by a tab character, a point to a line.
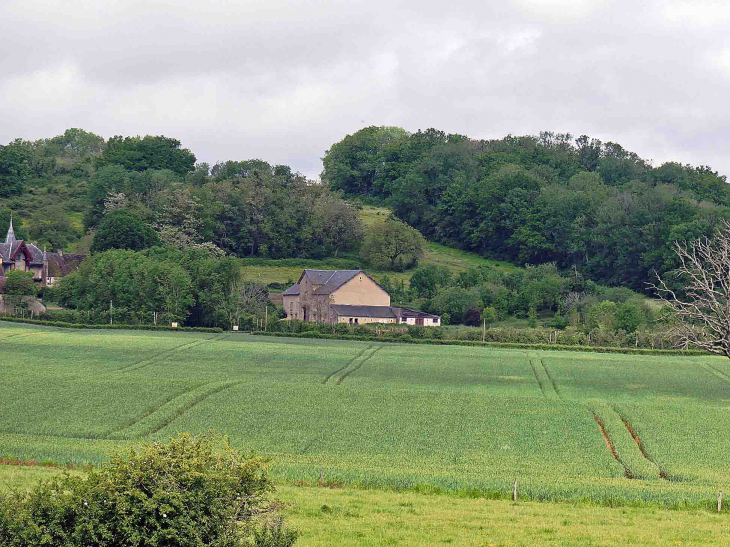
505	345
65	325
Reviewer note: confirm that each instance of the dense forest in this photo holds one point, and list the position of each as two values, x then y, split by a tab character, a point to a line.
580	203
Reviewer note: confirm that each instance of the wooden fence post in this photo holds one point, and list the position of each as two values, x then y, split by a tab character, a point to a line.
719	502
514	491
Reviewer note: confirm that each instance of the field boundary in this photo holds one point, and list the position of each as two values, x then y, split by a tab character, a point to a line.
64	325
471	343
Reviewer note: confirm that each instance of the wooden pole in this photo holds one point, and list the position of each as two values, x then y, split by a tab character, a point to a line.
111	312
266	323
719	502
484	330
514	491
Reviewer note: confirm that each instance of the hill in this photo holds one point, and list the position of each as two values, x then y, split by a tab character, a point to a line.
584	204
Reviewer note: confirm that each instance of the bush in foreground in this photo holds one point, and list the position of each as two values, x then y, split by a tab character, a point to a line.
190	492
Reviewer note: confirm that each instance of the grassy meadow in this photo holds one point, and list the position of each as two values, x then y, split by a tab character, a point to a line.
280	271
350	517
604	429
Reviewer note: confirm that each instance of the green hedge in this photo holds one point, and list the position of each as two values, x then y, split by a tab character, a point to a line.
405	339
65	325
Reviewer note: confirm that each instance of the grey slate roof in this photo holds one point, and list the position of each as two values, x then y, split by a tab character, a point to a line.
408	312
336	280
7	250
292	291
60	265
364	311
330	280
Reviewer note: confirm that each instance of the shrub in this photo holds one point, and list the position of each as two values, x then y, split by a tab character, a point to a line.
190	492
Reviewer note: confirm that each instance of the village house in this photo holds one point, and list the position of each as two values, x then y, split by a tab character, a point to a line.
346	296
46	267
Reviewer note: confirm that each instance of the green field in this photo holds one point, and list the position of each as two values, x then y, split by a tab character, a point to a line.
423	418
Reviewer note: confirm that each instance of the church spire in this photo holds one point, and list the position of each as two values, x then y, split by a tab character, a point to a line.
10	238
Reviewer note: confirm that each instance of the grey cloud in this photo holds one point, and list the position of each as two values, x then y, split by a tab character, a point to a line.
284	80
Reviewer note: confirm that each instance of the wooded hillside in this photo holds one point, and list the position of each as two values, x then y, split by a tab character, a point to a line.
578	202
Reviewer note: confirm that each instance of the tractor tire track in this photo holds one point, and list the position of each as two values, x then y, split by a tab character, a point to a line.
537	377
361	363
150	360
552	380
716	372
175	413
611	447
640	445
151	411
350	362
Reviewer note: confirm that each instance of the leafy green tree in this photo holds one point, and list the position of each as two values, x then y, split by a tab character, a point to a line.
149	152
20	283
629	317
427	280
107	179
76	143
602	315
489	316
188	492
392	245
123	230
357	164
51	226
455	302
173	289
199	176
14	167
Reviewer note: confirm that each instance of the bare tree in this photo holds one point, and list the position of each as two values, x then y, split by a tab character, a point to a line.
245	297
703	311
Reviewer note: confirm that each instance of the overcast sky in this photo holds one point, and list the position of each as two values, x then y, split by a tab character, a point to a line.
283	80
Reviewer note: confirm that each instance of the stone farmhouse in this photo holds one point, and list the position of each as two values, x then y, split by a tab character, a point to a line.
47	267
346	296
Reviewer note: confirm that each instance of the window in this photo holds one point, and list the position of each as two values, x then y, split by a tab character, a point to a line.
350	320
355	320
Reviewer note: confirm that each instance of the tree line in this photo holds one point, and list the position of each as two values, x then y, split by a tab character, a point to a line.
558	299
578	202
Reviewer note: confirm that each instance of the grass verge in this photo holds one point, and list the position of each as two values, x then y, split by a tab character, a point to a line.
363	518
